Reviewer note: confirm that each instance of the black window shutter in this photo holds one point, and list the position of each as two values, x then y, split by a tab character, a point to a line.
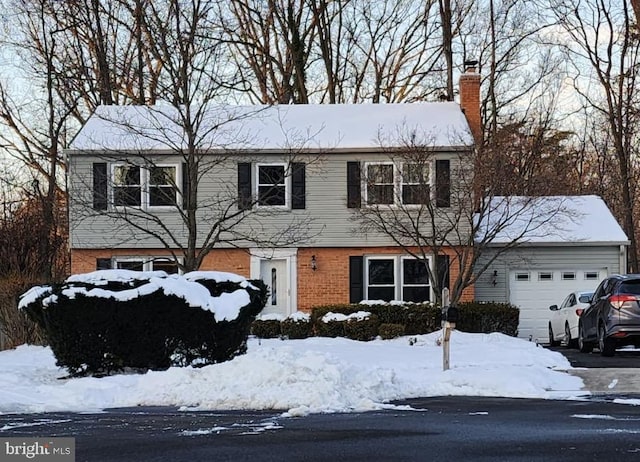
244	185
356	279
103	263
443	271
185	186
443	183
100	186
298	185
353	185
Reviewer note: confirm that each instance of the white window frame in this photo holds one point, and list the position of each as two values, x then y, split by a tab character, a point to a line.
398	183
402	283
145	174
398	275
147	261
147	190
113	186
287	185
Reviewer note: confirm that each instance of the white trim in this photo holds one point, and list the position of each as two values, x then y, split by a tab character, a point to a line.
287	185
290	256
398	274
398	182
146	260
144	186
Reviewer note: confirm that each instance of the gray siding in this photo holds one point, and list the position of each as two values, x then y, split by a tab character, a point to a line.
331	222
568	257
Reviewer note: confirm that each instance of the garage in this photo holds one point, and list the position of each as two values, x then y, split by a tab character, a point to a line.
534	290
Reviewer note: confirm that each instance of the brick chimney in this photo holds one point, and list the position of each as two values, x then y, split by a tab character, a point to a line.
470	98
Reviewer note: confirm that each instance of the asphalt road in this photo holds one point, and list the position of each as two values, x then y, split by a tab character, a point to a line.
446	428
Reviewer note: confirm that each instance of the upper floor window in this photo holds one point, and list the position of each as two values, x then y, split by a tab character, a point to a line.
162	185
272	185
135	186
127	186
391	184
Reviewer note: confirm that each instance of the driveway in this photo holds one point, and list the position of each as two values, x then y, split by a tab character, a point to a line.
618	375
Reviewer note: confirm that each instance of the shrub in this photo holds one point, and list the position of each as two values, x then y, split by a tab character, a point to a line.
361	326
483	317
331	325
266	328
297	326
111	320
389	330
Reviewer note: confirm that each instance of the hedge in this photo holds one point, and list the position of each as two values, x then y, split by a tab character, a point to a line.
96	335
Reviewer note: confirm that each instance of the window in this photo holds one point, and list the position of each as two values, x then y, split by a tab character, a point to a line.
415	280
389	184
162	186
167	265
127	186
135	186
568	276
272	186
522	277
381	279
545	276
591	275
415	184
380	184
397	278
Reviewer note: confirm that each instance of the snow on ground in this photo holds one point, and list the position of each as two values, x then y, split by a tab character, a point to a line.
301	376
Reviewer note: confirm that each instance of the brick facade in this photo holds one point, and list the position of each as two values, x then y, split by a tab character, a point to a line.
470	102
329	283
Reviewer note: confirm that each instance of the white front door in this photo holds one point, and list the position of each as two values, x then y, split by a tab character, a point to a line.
274	274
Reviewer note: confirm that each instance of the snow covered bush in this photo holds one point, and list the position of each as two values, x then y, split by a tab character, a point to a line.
113	320
297	326
267	326
362	326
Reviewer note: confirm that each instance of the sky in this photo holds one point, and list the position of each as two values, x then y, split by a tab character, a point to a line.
300	377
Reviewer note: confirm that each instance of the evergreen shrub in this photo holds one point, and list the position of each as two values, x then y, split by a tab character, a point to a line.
105	324
297	326
388	331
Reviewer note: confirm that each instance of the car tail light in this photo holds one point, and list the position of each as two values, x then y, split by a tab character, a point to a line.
617	301
579	311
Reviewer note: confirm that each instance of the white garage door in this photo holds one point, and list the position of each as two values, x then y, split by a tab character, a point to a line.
533	291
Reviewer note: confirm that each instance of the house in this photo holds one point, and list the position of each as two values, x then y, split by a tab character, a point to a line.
573	247
296	174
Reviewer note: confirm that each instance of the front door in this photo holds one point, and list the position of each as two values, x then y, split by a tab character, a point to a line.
274	274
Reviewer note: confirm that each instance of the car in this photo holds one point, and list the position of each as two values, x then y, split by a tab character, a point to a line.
612	318
563	322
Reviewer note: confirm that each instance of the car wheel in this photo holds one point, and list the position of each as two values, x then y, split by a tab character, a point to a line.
552	341
606	345
585	347
568	341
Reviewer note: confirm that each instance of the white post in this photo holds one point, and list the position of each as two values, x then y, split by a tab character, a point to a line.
446	332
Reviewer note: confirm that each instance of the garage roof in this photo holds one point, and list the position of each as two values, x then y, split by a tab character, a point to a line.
580	220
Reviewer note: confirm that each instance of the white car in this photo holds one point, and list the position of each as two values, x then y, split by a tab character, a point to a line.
563	322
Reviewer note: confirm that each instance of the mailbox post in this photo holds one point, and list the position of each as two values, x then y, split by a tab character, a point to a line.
449	320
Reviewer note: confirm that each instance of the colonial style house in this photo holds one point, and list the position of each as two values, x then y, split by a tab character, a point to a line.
273	192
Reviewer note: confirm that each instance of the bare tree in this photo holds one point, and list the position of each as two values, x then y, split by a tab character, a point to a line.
431	213
202	137
604	51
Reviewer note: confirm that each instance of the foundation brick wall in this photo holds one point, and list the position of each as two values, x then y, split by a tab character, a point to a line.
329	283
230	260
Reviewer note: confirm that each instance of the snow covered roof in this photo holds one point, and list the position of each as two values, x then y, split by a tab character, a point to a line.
552	220
308	126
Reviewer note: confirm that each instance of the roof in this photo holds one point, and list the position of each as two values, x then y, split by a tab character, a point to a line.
300	126
553	220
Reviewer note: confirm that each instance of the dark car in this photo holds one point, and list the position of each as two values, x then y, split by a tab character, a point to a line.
612	318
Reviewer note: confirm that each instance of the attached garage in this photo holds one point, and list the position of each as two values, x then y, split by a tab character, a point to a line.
535	290
541	270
